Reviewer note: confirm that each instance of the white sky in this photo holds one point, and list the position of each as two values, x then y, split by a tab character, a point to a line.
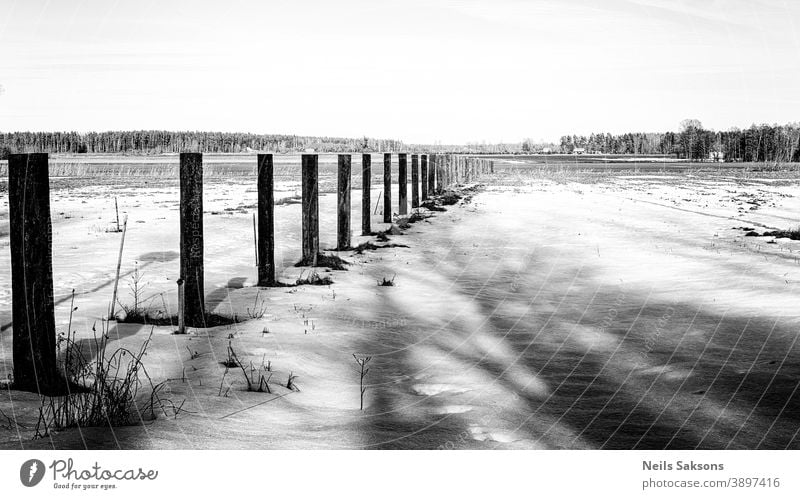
420	71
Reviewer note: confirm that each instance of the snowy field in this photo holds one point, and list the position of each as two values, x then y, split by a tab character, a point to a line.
555	309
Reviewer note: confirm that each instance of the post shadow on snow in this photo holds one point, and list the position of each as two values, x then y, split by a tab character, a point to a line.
609	403
392	423
663	375
732	362
147	258
220	294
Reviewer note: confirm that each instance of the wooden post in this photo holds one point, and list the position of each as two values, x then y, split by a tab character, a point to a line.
181	310
402	183
414	181
366	187
387	188
441	179
112	313
437	173
444	170
310	232
423	175
32	309
191	213
429	177
266	221
255	238
116	209
432	175
343	203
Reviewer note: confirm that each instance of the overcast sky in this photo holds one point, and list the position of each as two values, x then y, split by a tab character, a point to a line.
420	71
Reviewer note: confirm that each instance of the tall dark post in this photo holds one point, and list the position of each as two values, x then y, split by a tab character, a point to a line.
435	179
32	309
402	183
432	174
441	175
343	204
366	186
191	213
423	174
310	232
266	222
387	188
414	181
449	173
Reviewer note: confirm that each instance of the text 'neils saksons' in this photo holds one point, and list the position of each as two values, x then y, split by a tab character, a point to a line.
681	466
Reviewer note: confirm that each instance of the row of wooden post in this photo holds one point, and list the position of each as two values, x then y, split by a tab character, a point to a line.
34	339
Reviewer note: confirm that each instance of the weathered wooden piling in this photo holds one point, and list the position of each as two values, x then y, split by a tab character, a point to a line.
310	208
266	221
191	228
446	171
431	179
414	181
343	203
449	173
387	188
32	309
402	183
181	318
423	175
366	186
440	162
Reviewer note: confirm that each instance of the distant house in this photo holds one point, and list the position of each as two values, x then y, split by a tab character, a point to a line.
310	150
546	150
716	156
579	150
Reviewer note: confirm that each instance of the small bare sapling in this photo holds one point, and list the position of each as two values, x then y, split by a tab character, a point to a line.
362	364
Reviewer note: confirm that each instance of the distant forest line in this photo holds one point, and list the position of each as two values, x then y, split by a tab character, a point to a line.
759	143
160	142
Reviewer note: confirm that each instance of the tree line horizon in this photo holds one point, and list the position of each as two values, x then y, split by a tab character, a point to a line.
758	143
